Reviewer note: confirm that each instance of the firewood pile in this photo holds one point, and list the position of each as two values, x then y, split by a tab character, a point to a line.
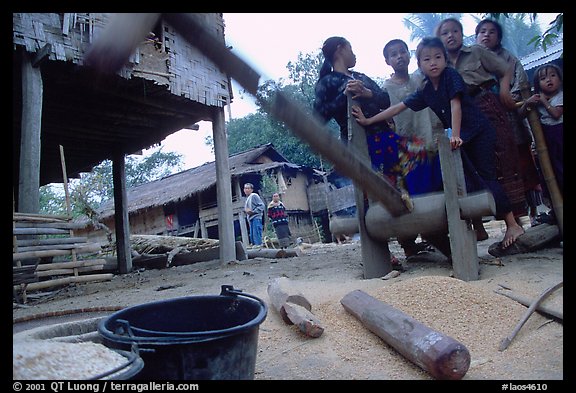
158	251
47	254
157	244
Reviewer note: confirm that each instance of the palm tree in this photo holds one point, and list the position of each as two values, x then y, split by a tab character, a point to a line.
423	25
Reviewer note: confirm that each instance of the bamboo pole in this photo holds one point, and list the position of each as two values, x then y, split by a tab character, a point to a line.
40	217
67	194
52	253
69	265
544	159
69	280
74	271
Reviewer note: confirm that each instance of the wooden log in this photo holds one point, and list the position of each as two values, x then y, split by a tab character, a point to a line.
428	215
69	280
307	322
440	355
281	291
534	238
343	225
272	253
293	307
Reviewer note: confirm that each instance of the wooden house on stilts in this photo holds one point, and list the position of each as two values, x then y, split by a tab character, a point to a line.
61	104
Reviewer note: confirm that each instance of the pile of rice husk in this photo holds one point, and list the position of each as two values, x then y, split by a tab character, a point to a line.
45	359
469	313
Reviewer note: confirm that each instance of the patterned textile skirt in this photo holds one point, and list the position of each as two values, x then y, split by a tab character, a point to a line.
283	234
405	162
527	161
508	168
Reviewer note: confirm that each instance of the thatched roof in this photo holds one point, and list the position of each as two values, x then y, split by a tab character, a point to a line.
183	185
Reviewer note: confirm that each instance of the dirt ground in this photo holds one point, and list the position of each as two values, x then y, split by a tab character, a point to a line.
471	312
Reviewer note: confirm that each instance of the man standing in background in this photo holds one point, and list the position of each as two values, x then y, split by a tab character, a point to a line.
254	208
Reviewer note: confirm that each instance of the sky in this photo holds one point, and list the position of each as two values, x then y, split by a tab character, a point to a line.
269	41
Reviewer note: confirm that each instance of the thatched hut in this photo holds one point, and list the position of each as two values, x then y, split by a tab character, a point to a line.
185	203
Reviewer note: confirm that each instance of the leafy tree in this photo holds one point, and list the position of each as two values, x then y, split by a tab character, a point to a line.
548	37
260	128
95	187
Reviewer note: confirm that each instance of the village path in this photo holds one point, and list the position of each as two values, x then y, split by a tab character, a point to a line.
470	312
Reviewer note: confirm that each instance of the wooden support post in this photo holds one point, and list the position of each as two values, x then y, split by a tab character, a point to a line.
203	229
442	356
376	258
30	144
121	220
462	236
223	189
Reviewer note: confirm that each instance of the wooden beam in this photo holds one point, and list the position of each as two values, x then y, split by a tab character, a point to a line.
30	141
462	237
42	55
121	219
376	257
223	188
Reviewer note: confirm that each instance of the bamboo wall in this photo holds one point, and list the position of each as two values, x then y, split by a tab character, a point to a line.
167	58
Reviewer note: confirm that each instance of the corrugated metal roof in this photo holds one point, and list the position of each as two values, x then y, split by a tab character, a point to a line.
540	57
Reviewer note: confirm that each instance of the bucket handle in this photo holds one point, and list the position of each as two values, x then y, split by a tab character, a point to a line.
133	357
122	327
228	290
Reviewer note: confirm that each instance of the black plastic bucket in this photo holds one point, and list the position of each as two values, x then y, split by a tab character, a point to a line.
191	338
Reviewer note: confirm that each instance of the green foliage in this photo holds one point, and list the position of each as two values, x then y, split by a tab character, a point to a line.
93	188
52	200
260	128
548	37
